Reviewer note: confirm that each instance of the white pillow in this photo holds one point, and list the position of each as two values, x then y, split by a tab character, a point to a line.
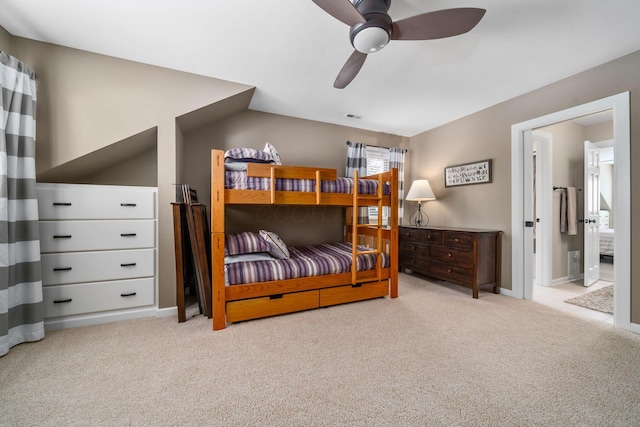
268	148
278	248
235	166
258	256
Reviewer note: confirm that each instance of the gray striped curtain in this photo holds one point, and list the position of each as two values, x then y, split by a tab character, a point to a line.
357	161
396	160
21	309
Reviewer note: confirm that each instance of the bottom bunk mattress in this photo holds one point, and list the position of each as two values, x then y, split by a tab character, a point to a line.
306	261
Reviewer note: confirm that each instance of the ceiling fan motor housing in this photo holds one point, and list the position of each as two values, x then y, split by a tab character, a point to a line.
375	33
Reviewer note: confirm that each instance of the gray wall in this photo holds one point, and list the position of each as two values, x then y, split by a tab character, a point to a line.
5	41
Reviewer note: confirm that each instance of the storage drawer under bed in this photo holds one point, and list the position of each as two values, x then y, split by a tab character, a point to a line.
352	293
255	308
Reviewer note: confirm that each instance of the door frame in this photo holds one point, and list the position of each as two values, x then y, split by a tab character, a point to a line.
622	204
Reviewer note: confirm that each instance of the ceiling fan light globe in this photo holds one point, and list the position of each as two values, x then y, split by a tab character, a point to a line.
370	39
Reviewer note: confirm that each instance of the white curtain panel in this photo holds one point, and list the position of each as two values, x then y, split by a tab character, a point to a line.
21	308
357	161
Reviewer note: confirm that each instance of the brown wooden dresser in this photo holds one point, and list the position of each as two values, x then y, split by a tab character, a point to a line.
464	256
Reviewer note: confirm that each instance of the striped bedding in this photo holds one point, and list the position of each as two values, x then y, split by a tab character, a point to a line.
238	180
318	260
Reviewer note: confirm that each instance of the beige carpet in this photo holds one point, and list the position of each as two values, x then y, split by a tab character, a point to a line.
600	300
433	357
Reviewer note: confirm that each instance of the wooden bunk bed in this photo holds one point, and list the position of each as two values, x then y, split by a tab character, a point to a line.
248	301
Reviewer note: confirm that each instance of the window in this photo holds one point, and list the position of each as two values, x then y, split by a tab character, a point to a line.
377	162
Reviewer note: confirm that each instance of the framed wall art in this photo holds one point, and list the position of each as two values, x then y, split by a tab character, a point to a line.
468	173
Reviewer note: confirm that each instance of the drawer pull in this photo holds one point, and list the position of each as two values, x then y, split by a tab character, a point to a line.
63	236
449	270
129	294
127	234
449	254
128	205
413	248
456	240
129	264
61	204
62	301
62	269
277	296
429	237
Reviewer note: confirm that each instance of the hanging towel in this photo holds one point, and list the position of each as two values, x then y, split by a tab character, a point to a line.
563	210
572	219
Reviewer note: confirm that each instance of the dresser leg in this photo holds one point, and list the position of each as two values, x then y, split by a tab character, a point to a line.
475	291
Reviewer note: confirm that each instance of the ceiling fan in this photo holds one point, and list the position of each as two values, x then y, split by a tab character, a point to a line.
372	28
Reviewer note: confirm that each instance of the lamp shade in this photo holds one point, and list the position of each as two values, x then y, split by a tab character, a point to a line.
420	191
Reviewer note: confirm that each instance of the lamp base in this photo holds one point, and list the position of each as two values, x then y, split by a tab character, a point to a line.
419	218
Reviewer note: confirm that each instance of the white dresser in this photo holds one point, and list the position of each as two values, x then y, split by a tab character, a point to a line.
98	246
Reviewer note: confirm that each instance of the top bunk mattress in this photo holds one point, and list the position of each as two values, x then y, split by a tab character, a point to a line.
238	180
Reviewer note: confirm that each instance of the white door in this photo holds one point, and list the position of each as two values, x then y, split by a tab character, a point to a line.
529	214
591	213
544	206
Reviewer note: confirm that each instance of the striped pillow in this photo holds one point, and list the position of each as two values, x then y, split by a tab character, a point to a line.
245	243
250	155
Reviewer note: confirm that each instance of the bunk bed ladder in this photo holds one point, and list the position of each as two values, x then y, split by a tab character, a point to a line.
357	197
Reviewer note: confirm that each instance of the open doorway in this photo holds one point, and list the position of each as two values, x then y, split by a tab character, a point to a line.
522	200
574	262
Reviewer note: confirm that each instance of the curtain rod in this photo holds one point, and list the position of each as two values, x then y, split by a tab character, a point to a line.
381	146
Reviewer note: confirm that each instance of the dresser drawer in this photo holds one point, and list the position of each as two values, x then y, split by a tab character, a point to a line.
73	236
414	250
421	235
409	234
453	256
457	239
452	273
68	201
431	237
78	267
66	300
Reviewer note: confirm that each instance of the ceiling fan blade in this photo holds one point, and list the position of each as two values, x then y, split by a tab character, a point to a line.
342	10
438	24
350	69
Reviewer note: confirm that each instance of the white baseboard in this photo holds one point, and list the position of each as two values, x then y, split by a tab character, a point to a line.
507	292
106	317
634	327
167	311
561	280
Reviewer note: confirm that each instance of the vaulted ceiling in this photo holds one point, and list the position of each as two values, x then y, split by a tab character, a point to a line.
291	50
